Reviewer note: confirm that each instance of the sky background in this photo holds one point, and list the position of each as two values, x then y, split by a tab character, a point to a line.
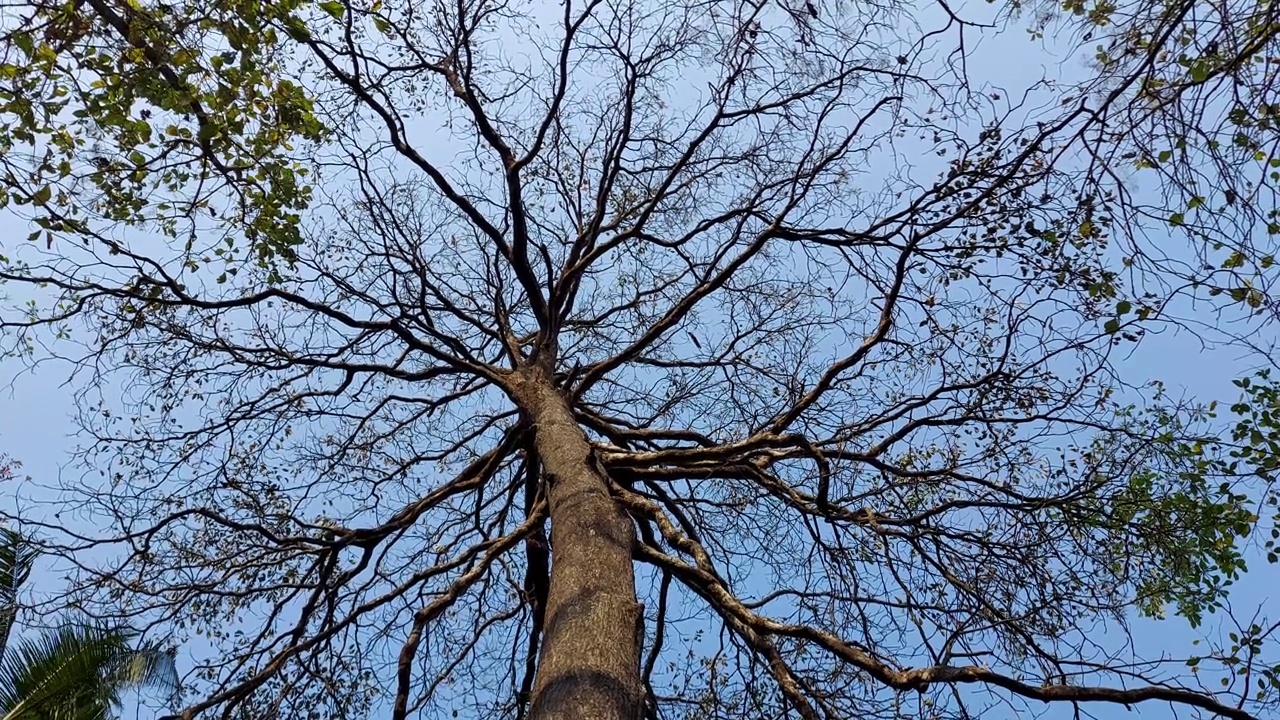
36	408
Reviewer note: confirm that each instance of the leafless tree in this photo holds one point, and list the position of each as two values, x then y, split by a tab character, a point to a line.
653	358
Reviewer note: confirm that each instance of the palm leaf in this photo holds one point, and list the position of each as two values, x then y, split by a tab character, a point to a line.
78	672
75	672
16	556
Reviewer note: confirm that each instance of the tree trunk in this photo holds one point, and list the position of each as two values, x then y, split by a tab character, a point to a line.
590	661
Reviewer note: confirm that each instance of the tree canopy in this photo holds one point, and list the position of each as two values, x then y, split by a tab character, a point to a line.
663	358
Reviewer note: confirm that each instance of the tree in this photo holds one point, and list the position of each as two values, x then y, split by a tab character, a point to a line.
75	672
685	359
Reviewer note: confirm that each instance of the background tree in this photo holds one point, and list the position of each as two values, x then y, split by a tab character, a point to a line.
686	359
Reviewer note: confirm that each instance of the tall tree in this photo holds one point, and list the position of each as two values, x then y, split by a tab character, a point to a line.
663	358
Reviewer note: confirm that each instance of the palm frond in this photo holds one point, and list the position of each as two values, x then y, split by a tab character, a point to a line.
149	665
17	554
78	672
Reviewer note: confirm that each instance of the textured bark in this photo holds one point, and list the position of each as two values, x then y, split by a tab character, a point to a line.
590	661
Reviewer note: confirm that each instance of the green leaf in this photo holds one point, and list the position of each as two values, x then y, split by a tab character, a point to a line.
24	42
333	8
43	195
1112	326
297	29
1177	219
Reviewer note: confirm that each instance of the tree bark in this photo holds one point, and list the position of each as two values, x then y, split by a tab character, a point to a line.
590	661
